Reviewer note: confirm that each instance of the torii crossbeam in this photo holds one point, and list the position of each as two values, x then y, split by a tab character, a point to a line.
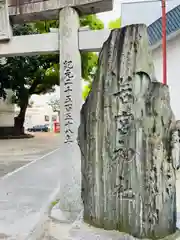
89	41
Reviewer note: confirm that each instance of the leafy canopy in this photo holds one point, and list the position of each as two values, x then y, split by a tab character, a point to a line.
55	104
115	23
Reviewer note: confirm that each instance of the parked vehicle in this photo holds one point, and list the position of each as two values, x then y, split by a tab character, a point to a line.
39	128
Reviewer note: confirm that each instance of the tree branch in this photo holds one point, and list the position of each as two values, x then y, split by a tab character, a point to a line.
33	86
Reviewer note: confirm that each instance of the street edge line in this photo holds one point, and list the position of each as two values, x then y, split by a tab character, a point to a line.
28	164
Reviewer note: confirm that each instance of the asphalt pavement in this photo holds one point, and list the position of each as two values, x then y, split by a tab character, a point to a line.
24	192
15	153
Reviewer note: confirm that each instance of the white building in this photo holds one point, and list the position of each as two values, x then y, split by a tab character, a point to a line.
173	55
40	112
7	111
136	13
39	115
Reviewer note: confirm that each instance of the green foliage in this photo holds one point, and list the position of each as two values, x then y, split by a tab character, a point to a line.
92	62
92	21
44	26
115	23
89	60
53	203
86	90
28	76
55	104
88	63
24	29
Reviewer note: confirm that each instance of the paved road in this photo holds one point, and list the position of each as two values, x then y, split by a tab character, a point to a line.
16	153
24	193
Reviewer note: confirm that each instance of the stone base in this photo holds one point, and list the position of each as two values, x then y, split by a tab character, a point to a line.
86	232
80	230
62	230
63	216
9	133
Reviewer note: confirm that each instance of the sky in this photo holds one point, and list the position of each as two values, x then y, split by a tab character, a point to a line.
146	11
138	11
111	15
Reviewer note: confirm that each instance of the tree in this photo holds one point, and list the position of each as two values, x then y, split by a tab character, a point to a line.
27	76
87	88
32	79
39	74
4	83
55	105
115	23
31	103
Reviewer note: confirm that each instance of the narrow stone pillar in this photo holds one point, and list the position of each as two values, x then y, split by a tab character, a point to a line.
70	105
5	27
7	113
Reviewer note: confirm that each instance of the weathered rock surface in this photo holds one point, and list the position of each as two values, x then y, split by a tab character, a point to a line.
128	153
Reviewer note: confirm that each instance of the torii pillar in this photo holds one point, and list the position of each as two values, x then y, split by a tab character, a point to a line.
70	105
71	102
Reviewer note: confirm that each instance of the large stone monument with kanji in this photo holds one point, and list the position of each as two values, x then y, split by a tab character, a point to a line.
129	141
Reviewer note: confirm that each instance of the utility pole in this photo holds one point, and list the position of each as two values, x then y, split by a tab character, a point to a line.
164	51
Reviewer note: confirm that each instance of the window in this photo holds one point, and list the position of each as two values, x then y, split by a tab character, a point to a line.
46	118
54	118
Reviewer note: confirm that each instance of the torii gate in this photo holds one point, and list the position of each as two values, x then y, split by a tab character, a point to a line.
68	41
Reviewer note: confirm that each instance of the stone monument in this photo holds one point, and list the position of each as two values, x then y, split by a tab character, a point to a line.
129	144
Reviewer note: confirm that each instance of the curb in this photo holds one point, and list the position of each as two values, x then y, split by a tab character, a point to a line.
42	225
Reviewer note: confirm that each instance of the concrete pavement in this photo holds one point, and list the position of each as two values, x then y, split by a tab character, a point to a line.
15	153
23	194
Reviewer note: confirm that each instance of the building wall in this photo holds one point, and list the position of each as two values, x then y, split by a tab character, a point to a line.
173	71
36	116
7	111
